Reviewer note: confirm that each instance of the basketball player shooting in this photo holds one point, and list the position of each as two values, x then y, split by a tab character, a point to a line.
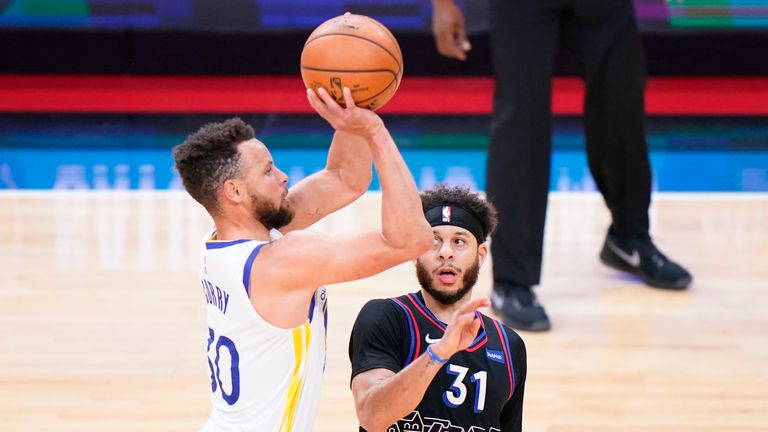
262	274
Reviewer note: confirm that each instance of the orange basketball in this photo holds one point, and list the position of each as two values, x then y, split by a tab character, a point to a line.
353	51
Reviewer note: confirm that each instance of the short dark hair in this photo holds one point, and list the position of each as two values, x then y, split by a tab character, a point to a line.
460	196
209	157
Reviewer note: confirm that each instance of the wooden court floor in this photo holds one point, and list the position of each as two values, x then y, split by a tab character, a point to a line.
103	321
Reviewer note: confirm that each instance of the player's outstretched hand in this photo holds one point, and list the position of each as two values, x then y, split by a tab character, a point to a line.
461	330
352	119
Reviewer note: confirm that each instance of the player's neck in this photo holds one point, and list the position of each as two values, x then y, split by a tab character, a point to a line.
240	228
442	311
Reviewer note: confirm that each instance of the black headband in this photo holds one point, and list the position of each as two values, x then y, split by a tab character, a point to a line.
451	214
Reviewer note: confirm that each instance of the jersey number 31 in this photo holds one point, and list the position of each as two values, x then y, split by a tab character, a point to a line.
456	395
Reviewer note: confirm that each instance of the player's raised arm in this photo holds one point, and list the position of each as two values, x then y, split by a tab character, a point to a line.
305	259
403	223
346	176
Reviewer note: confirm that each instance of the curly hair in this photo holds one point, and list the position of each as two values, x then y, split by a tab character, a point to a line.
209	157
470	201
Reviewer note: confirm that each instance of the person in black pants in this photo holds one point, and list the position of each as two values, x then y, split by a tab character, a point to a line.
524	39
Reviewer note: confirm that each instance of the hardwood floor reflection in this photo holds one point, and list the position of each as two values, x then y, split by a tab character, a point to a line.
105	330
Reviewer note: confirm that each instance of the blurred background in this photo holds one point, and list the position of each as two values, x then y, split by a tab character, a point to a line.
147	72
104	324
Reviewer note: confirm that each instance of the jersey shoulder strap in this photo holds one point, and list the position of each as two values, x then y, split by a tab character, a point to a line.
498	349
414	335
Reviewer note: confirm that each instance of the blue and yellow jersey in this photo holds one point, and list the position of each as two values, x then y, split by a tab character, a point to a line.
263	378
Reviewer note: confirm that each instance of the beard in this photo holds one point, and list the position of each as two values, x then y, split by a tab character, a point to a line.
448	298
269	215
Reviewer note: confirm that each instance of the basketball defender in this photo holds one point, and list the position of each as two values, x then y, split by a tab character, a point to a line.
262	274
428	361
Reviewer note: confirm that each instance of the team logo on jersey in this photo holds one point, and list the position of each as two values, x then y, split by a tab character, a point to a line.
413	422
416	423
494	355
446	213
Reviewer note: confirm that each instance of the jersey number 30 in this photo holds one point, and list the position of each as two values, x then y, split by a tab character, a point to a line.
224	342
456	395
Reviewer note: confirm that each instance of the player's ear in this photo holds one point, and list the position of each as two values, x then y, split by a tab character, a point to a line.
482	252
232	191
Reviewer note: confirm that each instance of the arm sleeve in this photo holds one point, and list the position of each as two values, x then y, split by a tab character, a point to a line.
377	338
512	414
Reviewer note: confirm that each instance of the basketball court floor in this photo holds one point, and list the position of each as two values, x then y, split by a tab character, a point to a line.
104	326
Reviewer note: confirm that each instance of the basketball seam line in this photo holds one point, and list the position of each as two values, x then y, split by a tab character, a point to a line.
389	35
350	70
394	80
399	66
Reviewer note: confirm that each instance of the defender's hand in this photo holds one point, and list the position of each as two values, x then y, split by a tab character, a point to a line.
461	330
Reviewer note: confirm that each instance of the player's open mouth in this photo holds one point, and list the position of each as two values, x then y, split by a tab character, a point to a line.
447	275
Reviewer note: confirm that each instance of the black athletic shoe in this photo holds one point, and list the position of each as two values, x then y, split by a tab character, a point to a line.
638	255
517	307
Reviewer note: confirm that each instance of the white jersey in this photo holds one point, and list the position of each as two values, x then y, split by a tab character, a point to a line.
263	378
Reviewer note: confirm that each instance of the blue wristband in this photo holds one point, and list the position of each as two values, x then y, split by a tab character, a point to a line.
434	356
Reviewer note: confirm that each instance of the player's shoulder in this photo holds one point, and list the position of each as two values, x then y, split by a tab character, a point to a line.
382	312
231	247
378	315
379	306
295	243
279	238
515	341
287	248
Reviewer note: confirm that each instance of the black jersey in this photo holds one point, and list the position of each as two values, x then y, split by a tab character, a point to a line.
479	389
